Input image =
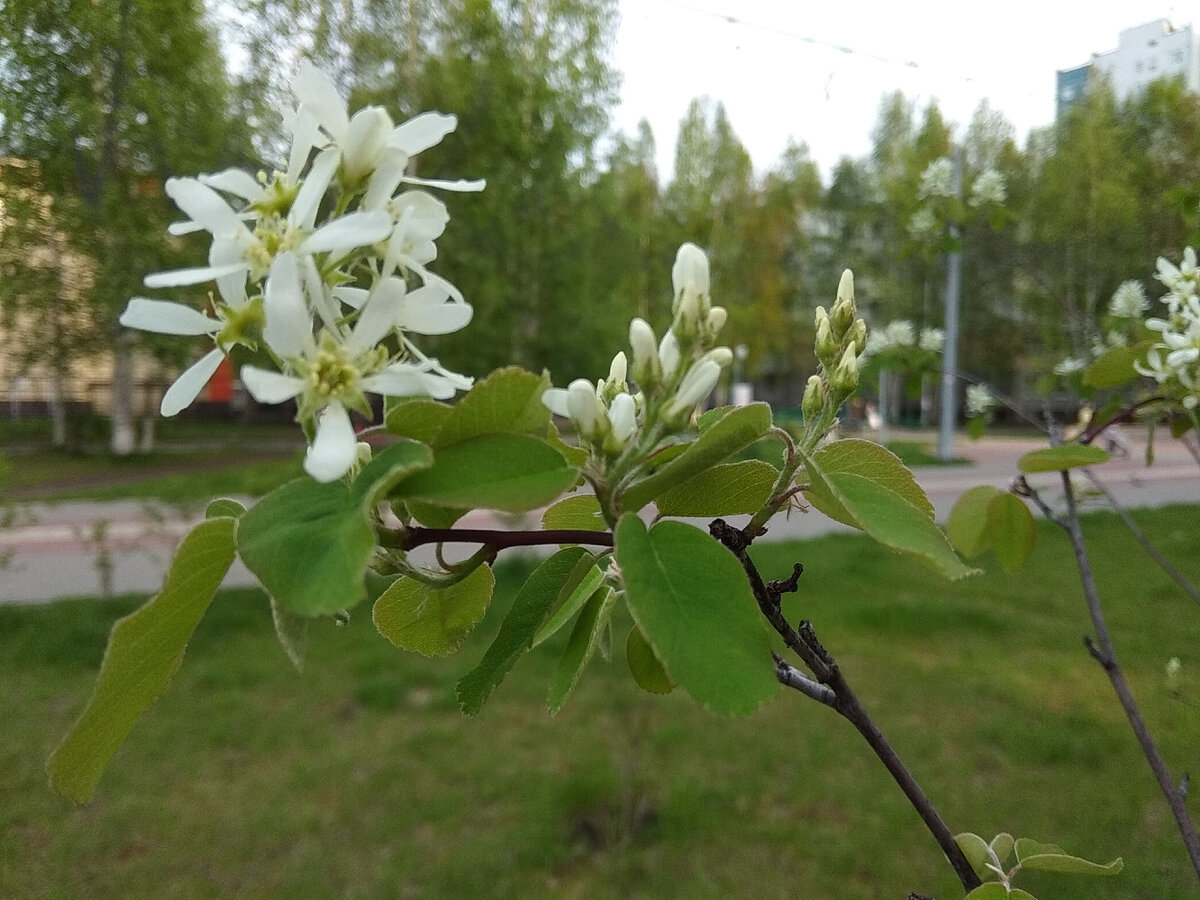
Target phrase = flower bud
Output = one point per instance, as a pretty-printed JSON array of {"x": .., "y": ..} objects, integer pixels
[
  {"x": 722, "y": 356},
  {"x": 845, "y": 376},
  {"x": 716, "y": 321},
  {"x": 364, "y": 142},
  {"x": 825, "y": 346},
  {"x": 668, "y": 354},
  {"x": 689, "y": 277},
  {"x": 814, "y": 398},
  {"x": 857, "y": 337},
  {"x": 617, "y": 370},
  {"x": 697, "y": 384},
  {"x": 843, "y": 310},
  {"x": 588, "y": 415},
  {"x": 646, "y": 368},
  {"x": 622, "y": 418}
]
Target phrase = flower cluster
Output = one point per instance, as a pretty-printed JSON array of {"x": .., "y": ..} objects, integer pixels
[
  {"x": 671, "y": 375},
  {"x": 1174, "y": 360},
  {"x": 327, "y": 292},
  {"x": 841, "y": 339},
  {"x": 901, "y": 335}
]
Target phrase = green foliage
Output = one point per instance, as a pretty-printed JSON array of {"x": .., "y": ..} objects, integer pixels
[
  {"x": 433, "y": 621},
  {"x": 989, "y": 861},
  {"x": 728, "y": 489},
  {"x": 985, "y": 517},
  {"x": 577, "y": 513},
  {"x": 590, "y": 628},
  {"x": 516, "y": 633},
  {"x": 144, "y": 651},
  {"x": 645, "y": 667},
  {"x": 715, "y": 648},
  {"x": 1061, "y": 458}
]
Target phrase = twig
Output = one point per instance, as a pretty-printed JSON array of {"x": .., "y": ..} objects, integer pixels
[
  {"x": 803, "y": 641},
  {"x": 408, "y": 538},
  {"x": 1102, "y": 650}
]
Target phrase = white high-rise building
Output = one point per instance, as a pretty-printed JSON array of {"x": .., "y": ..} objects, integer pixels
[{"x": 1145, "y": 53}]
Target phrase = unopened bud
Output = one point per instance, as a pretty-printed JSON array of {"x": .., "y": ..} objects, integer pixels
[
  {"x": 857, "y": 337},
  {"x": 716, "y": 320},
  {"x": 722, "y": 356},
  {"x": 814, "y": 398},
  {"x": 646, "y": 368},
  {"x": 843, "y": 310},
  {"x": 622, "y": 419},
  {"x": 689, "y": 276},
  {"x": 697, "y": 384},
  {"x": 586, "y": 412},
  {"x": 617, "y": 370},
  {"x": 824, "y": 345},
  {"x": 668, "y": 354},
  {"x": 845, "y": 376}
]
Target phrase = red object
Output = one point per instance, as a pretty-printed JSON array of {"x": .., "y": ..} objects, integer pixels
[{"x": 220, "y": 386}]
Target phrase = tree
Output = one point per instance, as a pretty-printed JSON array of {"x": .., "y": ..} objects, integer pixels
[{"x": 109, "y": 99}]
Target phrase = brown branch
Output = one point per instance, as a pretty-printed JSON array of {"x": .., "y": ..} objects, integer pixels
[
  {"x": 1104, "y": 653},
  {"x": 1125, "y": 414},
  {"x": 409, "y": 538},
  {"x": 803, "y": 641}
]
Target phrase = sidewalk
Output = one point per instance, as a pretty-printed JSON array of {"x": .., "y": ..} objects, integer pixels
[{"x": 77, "y": 548}]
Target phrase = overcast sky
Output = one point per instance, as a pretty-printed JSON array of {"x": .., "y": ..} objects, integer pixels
[{"x": 815, "y": 72}]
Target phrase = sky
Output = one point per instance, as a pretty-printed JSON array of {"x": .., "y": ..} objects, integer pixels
[{"x": 815, "y": 72}]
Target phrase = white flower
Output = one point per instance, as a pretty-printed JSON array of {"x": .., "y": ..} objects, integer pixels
[
  {"x": 1129, "y": 300},
  {"x": 697, "y": 384},
  {"x": 938, "y": 179},
  {"x": 900, "y": 333},
  {"x": 164, "y": 317},
  {"x": 932, "y": 339},
  {"x": 1070, "y": 366},
  {"x": 689, "y": 278},
  {"x": 979, "y": 400},
  {"x": 989, "y": 188},
  {"x": 924, "y": 225}
]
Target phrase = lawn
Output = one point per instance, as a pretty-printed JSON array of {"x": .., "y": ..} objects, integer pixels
[{"x": 359, "y": 778}]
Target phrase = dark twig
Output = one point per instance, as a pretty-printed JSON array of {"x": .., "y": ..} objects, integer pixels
[
  {"x": 1124, "y": 414},
  {"x": 804, "y": 643},
  {"x": 408, "y": 538},
  {"x": 1103, "y": 651}
]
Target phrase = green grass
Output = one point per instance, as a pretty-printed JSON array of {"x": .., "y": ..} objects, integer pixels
[
  {"x": 358, "y": 778},
  {"x": 918, "y": 453}
]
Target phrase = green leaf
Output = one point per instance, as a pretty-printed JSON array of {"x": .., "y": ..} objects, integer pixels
[
  {"x": 1012, "y": 531},
  {"x": 1002, "y": 845},
  {"x": 432, "y": 516},
  {"x": 875, "y": 463},
  {"x": 513, "y": 472},
  {"x": 994, "y": 890},
  {"x": 967, "y": 526},
  {"x": 291, "y": 630},
  {"x": 516, "y": 633},
  {"x": 975, "y": 849},
  {"x": 1030, "y": 847},
  {"x": 736, "y": 429},
  {"x": 1070, "y": 865},
  {"x": 144, "y": 651},
  {"x": 577, "y": 513},
  {"x": 690, "y": 598},
  {"x": 729, "y": 489},
  {"x": 309, "y": 543},
  {"x": 1057, "y": 459},
  {"x": 433, "y": 621},
  {"x": 224, "y": 508},
  {"x": 509, "y": 401},
  {"x": 647, "y": 671},
  {"x": 589, "y": 628},
  {"x": 579, "y": 586},
  {"x": 976, "y": 426},
  {"x": 886, "y": 516},
  {"x": 419, "y": 419},
  {"x": 1114, "y": 367}
]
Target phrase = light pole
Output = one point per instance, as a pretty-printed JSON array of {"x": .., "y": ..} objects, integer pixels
[{"x": 949, "y": 413}]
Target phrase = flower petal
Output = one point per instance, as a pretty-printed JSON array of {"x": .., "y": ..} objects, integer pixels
[
  {"x": 304, "y": 208},
  {"x": 435, "y": 318},
  {"x": 238, "y": 182},
  {"x": 288, "y": 328},
  {"x": 353, "y": 297},
  {"x": 165, "y": 317},
  {"x": 464, "y": 185},
  {"x": 555, "y": 399},
  {"x": 203, "y": 204},
  {"x": 188, "y": 385},
  {"x": 379, "y": 314},
  {"x": 198, "y": 275},
  {"x": 384, "y": 180},
  {"x": 422, "y": 132},
  {"x": 355, "y": 230},
  {"x": 407, "y": 380},
  {"x": 318, "y": 95},
  {"x": 335, "y": 448},
  {"x": 266, "y": 386}
]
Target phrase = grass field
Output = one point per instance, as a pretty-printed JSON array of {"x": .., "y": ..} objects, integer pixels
[{"x": 358, "y": 778}]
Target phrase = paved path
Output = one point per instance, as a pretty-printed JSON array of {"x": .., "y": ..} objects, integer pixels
[{"x": 82, "y": 548}]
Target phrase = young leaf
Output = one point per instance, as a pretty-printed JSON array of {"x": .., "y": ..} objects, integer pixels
[
  {"x": 975, "y": 849},
  {"x": 884, "y": 515},
  {"x": 690, "y": 598},
  {"x": 224, "y": 507},
  {"x": 729, "y": 489},
  {"x": 1002, "y": 845},
  {"x": 433, "y": 621},
  {"x": 1114, "y": 367},
  {"x": 418, "y": 419},
  {"x": 516, "y": 633},
  {"x": 976, "y": 427},
  {"x": 579, "y": 585},
  {"x": 576, "y": 513},
  {"x": 591, "y": 624},
  {"x": 647, "y": 671},
  {"x": 736, "y": 429},
  {"x": 1033, "y": 854},
  {"x": 291, "y": 630},
  {"x": 994, "y": 890},
  {"x": 967, "y": 526},
  {"x": 1065, "y": 456},
  {"x": 509, "y": 401},
  {"x": 513, "y": 472},
  {"x": 1012, "y": 530},
  {"x": 144, "y": 651},
  {"x": 876, "y": 463},
  {"x": 309, "y": 543}
]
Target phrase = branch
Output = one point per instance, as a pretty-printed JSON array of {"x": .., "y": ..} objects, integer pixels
[
  {"x": 409, "y": 538},
  {"x": 803, "y": 641},
  {"x": 1104, "y": 653},
  {"x": 1125, "y": 414}
]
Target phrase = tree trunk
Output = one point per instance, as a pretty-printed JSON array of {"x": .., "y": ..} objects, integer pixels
[
  {"x": 124, "y": 435},
  {"x": 58, "y": 412}
]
